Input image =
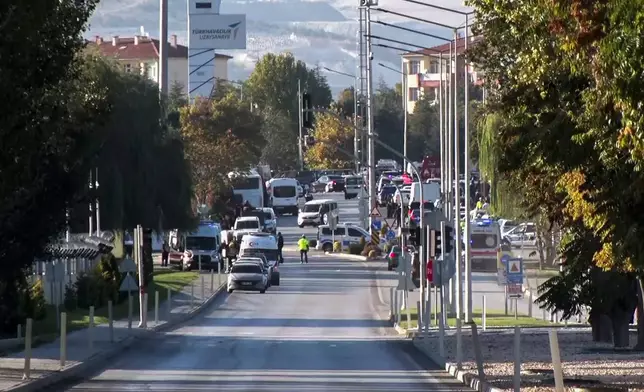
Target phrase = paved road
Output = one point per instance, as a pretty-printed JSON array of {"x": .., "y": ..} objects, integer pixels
[
  {"x": 321, "y": 330},
  {"x": 287, "y": 224}
]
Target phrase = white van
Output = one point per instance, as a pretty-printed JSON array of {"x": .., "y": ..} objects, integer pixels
[
  {"x": 352, "y": 186},
  {"x": 284, "y": 195},
  {"x": 345, "y": 233},
  {"x": 431, "y": 192},
  {"x": 203, "y": 244},
  {"x": 246, "y": 225},
  {"x": 318, "y": 212},
  {"x": 266, "y": 244}
]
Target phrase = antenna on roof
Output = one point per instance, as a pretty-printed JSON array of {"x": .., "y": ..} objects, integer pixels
[{"x": 142, "y": 31}]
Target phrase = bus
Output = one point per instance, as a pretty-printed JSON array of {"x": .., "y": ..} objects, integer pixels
[{"x": 249, "y": 186}]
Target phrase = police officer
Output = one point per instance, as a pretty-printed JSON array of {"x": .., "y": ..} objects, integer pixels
[
  {"x": 280, "y": 245},
  {"x": 303, "y": 244}
]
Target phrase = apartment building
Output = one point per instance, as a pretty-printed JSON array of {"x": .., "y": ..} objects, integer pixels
[
  {"x": 422, "y": 70},
  {"x": 141, "y": 54}
]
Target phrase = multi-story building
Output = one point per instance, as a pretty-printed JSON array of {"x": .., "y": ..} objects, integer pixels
[
  {"x": 422, "y": 71},
  {"x": 141, "y": 54}
]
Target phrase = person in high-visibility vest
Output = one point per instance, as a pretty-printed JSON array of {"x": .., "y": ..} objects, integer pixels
[
  {"x": 479, "y": 204},
  {"x": 303, "y": 244}
]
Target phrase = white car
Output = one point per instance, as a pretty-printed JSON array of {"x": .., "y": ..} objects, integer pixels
[
  {"x": 246, "y": 225},
  {"x": 524, "y": 234}
]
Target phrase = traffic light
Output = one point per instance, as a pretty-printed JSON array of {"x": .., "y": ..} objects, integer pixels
[
  {"x": 414, "y": 236},
  {"x": 449, "y": 238},
  {"x": 307, "y": 115},
  {"x": 437, "y": 242}
]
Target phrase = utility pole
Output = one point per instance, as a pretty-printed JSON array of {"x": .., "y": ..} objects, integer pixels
[
  {"x": 441, "y": 133},
  {"x": 370, "y": 124},
  {"x": 98, "y": 210},
  {"x": 91, "y": 205},
  {"x": 403, "y": 94},
  {"x": 163, "y": 48},
  {"x": 457, "y": 189},
  {"x": 468, "y": 259},
  {"x": 449, "y": 93},
  {"x": 300, "y": 140}
]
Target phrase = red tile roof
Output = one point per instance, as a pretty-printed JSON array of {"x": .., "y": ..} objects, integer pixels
[
  {"x": 444, "y": 48},
  {"x": 140, "y": 48}
]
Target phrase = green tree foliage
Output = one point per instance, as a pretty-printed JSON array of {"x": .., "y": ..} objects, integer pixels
[
  {"x": 570, "y": 139},
  {"x": 331, "y": 131},
  {"x": 346, "y": 102},
  {"x": 220, "y": 136},
  {"x": 423, "y": 130},
  {"x": 274, "y": 82},
  {"x": 46, "y": 125},
  {"x": 280, "y": 149},
  {"x": 176, "y": 99},
  {"x": 388, "y": 120}
]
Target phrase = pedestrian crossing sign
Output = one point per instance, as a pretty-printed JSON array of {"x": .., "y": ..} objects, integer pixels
[{"x": 514, "y": 266}]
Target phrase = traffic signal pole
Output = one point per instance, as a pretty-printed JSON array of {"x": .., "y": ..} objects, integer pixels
[{"x": 300, "y": 139}]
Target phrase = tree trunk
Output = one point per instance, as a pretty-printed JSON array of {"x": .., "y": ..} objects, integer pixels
[
  {"x": 601, "y": 327},
  {"x": 640, "y": 315},
  {"x": 621, "y": 324},
  {"x": 540, "y": 246}
]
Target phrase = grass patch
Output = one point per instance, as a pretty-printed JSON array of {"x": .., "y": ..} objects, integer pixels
[
  {"x": 46, "y": 330},
  {"x": 493, "y": 319}
]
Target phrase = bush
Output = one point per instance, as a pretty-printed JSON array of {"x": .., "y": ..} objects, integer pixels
[
  {"x": 355, "y": 249},
  {"x": 337, "y": 247},
  {"x": 37, "y": 300},
  {"x": 93, "y": 290},
  {"x": 108, "y": 269}
]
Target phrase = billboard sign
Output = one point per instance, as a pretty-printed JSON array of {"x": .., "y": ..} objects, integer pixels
[{"x": 211, "y": 31}]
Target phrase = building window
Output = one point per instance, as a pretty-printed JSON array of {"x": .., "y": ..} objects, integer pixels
[
  {"x": 413, "y": 94},
  {"x": 127, "y": 68},
  {"x": 414, "y": 67},
  {"x": 433, "y": 67}
]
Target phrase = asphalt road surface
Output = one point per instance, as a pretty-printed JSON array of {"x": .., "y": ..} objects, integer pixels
[{"x": 322, "y": 330}]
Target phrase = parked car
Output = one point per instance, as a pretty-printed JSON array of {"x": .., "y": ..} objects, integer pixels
[{"x": 336, "y": 184}]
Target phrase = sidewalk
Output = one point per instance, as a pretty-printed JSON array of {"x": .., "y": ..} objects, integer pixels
[{"x": 45, "y": 359}]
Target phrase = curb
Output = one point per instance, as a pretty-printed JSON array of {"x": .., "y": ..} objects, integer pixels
[
  {"x": 467, "y": 379},
  {"x": 100, "y": 359}
]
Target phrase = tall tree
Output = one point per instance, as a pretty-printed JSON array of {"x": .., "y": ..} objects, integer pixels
[
  {"x": 220, "y": 136},
  {"x": 388, "y": 121},
  {"x": 333, "y": 147},
  {"x": 273, "y": 83},
  {"x": 45, "y": 132},
  {"x": 280, "y": 150},
  {"x": 346, "y": 102},
  {"x": 423, "y": 133}
]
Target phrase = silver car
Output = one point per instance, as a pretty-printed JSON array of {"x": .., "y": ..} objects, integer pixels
[{"x": 250, "y": 276}]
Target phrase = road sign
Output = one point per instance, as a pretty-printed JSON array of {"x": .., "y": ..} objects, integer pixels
[
  {"x": 502, "y": 266},
  {"x": 514, "y": 271},
  {"x": 127, "y": 265},
  {"x": 375, "y": 212},
  {"x": 376, "y": 224},
  {"x": 515, "y": 290},
  {"x": 390, "y": 222},
  {"x": 391, "y": 235},
  {"x": 128, "y": 284}
]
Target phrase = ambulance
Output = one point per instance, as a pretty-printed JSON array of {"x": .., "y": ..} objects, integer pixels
[
  {"x": 254, "y": 244},
  {"x": 485, "y": 245}
]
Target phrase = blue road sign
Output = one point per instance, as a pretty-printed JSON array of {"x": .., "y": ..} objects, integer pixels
[
  {"x": 377, "y": 224},
  {"x": 391, "y": 235},
  {"x": 514, "y": 271}
]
